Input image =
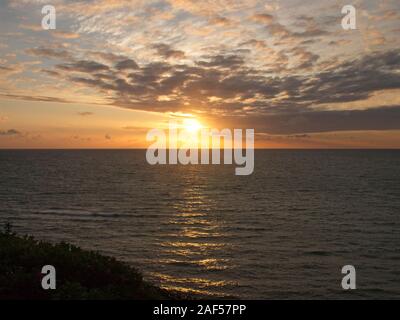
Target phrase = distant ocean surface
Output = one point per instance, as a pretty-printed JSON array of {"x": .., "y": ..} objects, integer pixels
[{"x": 284, "y": 232}]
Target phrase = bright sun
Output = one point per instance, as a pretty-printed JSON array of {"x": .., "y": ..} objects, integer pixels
[{"x": 192, "y": 125}]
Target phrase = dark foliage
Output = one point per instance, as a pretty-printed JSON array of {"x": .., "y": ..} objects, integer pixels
[{"x": 80, "y": 274}]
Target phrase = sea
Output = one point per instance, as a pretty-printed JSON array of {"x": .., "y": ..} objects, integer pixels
[{"x": 284, "y": 232}]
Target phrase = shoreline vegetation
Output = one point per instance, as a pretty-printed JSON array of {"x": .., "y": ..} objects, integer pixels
[{"x": 80, "y": 274}]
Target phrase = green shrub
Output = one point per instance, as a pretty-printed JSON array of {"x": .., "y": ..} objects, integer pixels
[{"x": 80, "y": 274}]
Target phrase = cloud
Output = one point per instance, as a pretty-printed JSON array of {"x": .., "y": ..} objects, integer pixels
[
  {"x": 49, "y": 53},
  {"x": 55, "y": 33},
  {"x": 305, "y": 59},
  {"x": 10, "y": 132},
  {"x": 264, "y": 18},
  {"x": 167, "y": 52},
  {"x": 259, "y": 44},
  {"x": 83, "y": 66},
  {"x": 51, "y": 73},
  {"x": 85, "y": 113},
  {"x": 11, "y": 69},
  {"x": 98, "y": 7},
  {"x": 107, "y": 56},
  {"x": 80, "y": 138},
  {"x": 34, "y": 98},
  {"x": 65, "y": 34},
  {"x": 127, "y": 64},
  {"x": 5, "y": 69},
  {"x": 205, "y": 7},
  {"x": 224, "y": 83},
  {"x": 220, "y": 21},
  {"x": 31, "y": 27},
  {"x": 283, "y": 33},
  {"x": 299, "y": 136},
  {"x": 3, "y": 118},
  {"x": 223, "y": 61},
  {"x": 96, "y": 83},
  {"x": 262, "y": 62},
  {"x": 374, "y": 37},
  {"x": 295, "y": 123},
  {"x": 357, "y": 79},
  {"x": 130, "y": 128}
]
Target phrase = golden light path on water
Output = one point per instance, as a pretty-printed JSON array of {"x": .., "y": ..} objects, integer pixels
[{"x": 196, "y": 241}]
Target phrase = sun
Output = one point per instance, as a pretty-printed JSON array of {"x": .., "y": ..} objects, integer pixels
[{"x": 192, "y": 125}]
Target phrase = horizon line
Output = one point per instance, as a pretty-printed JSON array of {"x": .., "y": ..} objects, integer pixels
[{"x": 100, "y": 149}]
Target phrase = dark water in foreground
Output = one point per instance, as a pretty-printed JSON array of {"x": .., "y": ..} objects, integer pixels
[{"x": 283, "y": 232}]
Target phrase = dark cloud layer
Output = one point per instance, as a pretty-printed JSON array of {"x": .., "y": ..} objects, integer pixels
[
  {"x": 226, "y": 76},
  {"x": 384, "y": 118},
  {"x": 224, "y": 84}
]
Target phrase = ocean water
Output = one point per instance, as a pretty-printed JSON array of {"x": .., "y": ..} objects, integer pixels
[{"x": 284, "y": 232}]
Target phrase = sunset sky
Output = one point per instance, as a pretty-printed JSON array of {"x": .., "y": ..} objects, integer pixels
[{"x": 113, "y": 69}]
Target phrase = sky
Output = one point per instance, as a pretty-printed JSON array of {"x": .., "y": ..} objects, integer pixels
[{"x": 114, "y": 69}]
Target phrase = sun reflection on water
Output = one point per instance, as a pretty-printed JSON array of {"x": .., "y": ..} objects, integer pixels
[
  {"x": 195, "y": 241},
  {"x": 197, "y": 286}
]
